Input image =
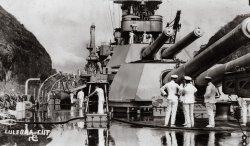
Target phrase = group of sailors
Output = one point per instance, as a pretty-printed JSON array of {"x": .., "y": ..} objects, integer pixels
[
  {"x": 186, "y": 93},
  {"x": 146, "y": 38},
  {"x": 82, "y": 99}
]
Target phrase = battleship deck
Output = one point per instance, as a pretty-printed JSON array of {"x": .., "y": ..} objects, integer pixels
[
  {"x": 59, "y": 116},
  {"x": 200, "y": 124}
]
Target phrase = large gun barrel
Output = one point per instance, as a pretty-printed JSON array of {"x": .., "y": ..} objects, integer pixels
[
  {"x": 150, "y": 51},
  {"x": 217, "y": 72},
  {"x": 170, "y": 52},
  {"x": 223, "y": 47}
]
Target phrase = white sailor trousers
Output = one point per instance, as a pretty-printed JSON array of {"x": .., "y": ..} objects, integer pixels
[
  {"x": 71, "y": 98},
  {"x": 210, "y": 112},
  {"x": 100, "y": 107},
  {"x": 245, "y": 111},
  {"x": 171, "y": 110},
  {"x": 189, "y": 114},
  {"x": 80, "y": 103}
]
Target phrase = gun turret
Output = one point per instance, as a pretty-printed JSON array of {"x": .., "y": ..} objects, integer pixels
[
  {"x": 223, "y": 47},
  {"x": 170, "y": 52},
  {"x": 149, "y": 52}
]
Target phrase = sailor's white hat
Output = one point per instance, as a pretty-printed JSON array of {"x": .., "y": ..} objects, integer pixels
[
  {"x": 174, "y": 76},
  {"x": 187, "y": 78}
]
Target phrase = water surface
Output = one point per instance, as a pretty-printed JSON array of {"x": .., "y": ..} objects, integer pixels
[{"x": 118, "y": 134}]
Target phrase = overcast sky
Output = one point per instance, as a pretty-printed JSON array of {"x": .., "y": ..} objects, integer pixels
[{"x": 62, "y": 26}]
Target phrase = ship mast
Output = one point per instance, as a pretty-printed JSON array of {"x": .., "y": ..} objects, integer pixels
[{"x": 92, "y": 64}]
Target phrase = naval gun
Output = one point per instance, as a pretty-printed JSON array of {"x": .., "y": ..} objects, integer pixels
[
  {"x": 169, "y": 53},
  {"x": 239, "y": 36},
  {"x": 233, "y": 76},
  {"x": 217, "y": 72},
  {"x": 221, "y": 77},
  {"x": 148, "y": 53}
]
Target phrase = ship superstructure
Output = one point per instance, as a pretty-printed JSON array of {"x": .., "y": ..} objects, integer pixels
[{"x": 145, "y": 53}]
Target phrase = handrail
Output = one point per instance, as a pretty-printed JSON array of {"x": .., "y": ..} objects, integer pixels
[
  {"x": 40, "y": 88},
  {"x": 27, "y": 83}
]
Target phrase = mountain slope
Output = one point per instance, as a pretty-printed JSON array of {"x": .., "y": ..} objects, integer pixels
[{"x": 21, "y": 54}]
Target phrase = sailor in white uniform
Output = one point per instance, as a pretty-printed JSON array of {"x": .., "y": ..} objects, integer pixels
[
  {"x": 209, "y": 99},
  {"x": 72, "y": 97},
  {"x": 188, "y": 101},
  {"x": 80, "y": 97},
  {"x": 101, "y": 98},
  {"x": 144, "y": 37},
  {"x": 131, "y": 37},
  {"x": 172, "y": 99},
  {"x": 245, "y": 109}
]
